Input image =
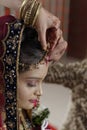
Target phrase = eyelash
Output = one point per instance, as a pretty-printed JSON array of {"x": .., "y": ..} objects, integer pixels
[{"x": 31, "y": 85}]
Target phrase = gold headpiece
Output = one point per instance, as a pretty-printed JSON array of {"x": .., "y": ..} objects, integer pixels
[
  {"x": 45, "y": 59},
  {"x": 25, "y": 66}
]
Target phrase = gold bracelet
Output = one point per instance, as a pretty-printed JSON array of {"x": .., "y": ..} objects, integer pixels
[
  {"x": 33, "y": 12},
  {"x": 36, "y": 15},
  {"x": 28, "y": 14},
  {"x": 26, "y": 5},
  {"x": 21, "y": 8},
  {"x": 27, "y": 17},
  {"x": 29, "y": 11}
]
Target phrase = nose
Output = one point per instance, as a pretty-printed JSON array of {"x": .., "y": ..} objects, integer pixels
[{"x": 39, "y": 90}]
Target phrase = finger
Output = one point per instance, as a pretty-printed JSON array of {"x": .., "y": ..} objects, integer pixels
[
  {"x": 59, "y": 51},
  {"x": 53, "y": 36},
  {"x": 64, "y": 49},
  {"x": 61, "y": 46},
  {"x": 42, "y": 38},
  {"x": 57, "y": 39},
  {"x": 55, "y": 22}
]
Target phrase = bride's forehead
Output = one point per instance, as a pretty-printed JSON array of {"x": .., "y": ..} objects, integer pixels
[{"x": 39, "y": 72}]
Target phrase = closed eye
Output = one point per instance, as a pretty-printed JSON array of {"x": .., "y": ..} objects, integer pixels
[{"x": 31, "y": 85}]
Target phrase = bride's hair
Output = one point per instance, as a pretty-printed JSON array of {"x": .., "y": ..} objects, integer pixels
[{"x": 31, "y": 51}]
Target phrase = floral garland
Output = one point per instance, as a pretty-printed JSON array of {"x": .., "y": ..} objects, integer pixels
[{"x": 39, "y": 114}]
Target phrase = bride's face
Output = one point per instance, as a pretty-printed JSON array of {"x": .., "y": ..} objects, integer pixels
[{"x": 30, "y": 86}]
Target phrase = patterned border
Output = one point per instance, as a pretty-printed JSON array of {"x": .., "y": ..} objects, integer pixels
[{"x": 10, "y": 61}]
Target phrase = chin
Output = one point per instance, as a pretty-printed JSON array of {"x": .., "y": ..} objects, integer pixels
[{"x": 28, "y": 107}]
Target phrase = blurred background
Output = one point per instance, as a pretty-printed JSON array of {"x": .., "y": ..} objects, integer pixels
[{"x": 73, "y": 16}]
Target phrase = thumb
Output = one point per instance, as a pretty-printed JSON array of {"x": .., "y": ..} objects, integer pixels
[
  {"x": 42, "y": 38},
  {"x": 55, "y": 22}
]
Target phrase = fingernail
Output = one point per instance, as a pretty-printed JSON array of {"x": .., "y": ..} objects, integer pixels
[{"x": 44, "y": 48}]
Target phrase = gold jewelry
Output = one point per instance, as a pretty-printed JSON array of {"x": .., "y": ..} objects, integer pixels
[
  {"x": 30, "y": 17},
  {"x": 21, "y": 8},
  {"x": 23, "y": 121},
  {"x": 36, "y": 15},
  {"x": 24, "y": 67},
  {"x": 32, "y": 13},
  {"x": 26, "y": 6},
  {"x": 29, "y": 11},
  {"x": 28, "y": 14}
]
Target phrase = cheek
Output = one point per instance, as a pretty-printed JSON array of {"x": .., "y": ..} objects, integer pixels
[
  {"x": 23, "y": 92},
  {"x": 45, "y": 71}
]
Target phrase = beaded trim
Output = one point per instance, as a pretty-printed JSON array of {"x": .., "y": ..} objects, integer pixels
[{"x": 11, "y": 44}]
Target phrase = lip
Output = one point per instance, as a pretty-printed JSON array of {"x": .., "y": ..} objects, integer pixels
[{"x": 34, "y": 101}]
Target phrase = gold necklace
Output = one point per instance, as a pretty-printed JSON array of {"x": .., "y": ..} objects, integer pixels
[{"x": 24, "y": 125}]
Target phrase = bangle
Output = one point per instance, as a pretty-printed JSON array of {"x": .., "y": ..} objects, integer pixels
[
  {"x": 33, "y": 12},
  {"x": 21, "y": 8},
  {"x": 30, "y": 19},
  {"x": 28, "y": 13},
  {"x": 36, "y": 15},
  {"x": 26, "y": 5}
]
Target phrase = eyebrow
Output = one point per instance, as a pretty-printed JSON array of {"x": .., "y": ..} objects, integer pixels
[{"x": 34, "y": 78}]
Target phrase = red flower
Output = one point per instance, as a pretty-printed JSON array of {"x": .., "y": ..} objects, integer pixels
[{"x": 50, "y": 127}]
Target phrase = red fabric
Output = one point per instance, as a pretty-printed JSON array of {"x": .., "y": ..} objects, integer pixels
[
  {"x": 1, "y": 122},
  {"x": 3, "y": 26},
  {"x": 3, "y": 32},
  {"x": 50, "y": 127}
]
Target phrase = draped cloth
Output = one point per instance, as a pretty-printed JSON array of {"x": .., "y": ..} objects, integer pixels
[{"x": 10, "y": 30}]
